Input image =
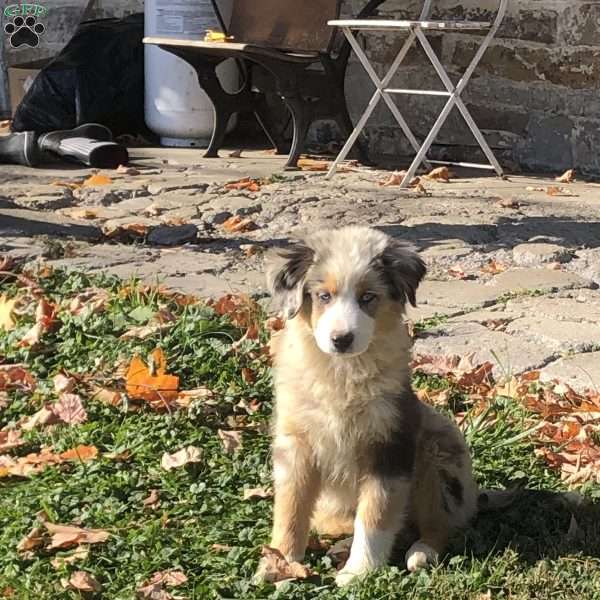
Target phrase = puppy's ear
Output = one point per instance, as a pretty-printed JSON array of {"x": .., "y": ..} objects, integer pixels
[
  {"x": 402, "y": 269},
  {"x": 286, "y": 277}
]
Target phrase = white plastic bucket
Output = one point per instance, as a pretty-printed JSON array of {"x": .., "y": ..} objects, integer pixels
[{"x": 176, "y": 107}]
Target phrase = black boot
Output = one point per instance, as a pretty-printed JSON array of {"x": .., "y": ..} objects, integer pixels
[
  {"x": 20, "y": 149},
  {"x": 89, "y": 144}
]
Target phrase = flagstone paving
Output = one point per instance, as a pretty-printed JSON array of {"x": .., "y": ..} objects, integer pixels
[{"x": 513, "y": 272}]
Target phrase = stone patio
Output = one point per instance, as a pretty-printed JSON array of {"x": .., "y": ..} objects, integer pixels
[{"x": 513, "y": 269}]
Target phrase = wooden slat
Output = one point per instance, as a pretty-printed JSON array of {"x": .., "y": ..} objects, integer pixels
[{"x": 300, "y": 25}]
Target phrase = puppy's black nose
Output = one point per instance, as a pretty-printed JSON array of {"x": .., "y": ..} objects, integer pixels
[{"x": 342, "y": 341}]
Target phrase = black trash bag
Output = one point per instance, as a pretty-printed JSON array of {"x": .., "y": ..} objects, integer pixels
[{"x": 97, "y": 78}]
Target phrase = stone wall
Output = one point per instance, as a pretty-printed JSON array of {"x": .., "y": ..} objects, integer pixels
[{"x": 535, "y": 93}]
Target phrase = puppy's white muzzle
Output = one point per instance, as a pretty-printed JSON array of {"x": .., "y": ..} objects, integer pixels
[{"x": 344, "y": 329}]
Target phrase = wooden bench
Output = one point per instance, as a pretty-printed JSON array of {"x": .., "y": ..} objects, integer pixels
[{"x": 292, "y": 44}]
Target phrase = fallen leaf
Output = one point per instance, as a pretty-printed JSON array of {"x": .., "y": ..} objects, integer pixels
[
  {"x": 457, "y": 271},
  {"x": 80, "y": 213},
  {"x": 92, "y": 301},
  {"x": 62, "y": 383},
  {"x": 340, "y": 552},
  {"x": 439, "y": 174},
  {"x": 241, "y": 309},
  {"x": 249, "y": 250},
  {"x": 251, "y": 185},
  {"x": 232, "y": 440},
  {"x": 144, "y": 331},
  {"x": 125, "y": 170},
  {"x": 16, "y": 377},
  {"x": 82, "y": 581},
  {"x": 97, "y": 179},
  {"x": 237, "y": 224},
  {"x": 494, "y": 267},
  {"x": 153, "y": 500},
  {"x": 169, "y": 578},
  {"x": 397, "y": 177},
  {"x": 69, "y": 409},
  {"x": 106, "y": 396},
  {"x": 150, "y": 382},
  {"x": 274, "y": 324},
  {"x": 182, "y": 457},
  {"x": 274, "y": 567},
  {"x": 553, "y": 190},
  {"x": 7, "y": 305},
  {"x": 186, "y": 397},
  {"x": 257, "y": 493},
  {"x": 79, "y": 554},
  {"x": 248, "y": 376},
  {"x": 509, "y": 203},
  {"x": 68, "y": 536},
  {"x": 44, "y": 416},
  {"x": 567, "y": 177},
  {"x": 235, "y": 154},
  {"x": 10, "y": 439},
  {"x": 127, "y": 231},
  {"x": 34, "y": 539},
  {"x": 221, "y": 548},
  {"x": 45, "y": 314}
]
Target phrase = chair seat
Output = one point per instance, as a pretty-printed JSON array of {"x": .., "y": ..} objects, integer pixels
[
  {"x": 393, "y": 24},
  {"x": 234, "y": 48}
]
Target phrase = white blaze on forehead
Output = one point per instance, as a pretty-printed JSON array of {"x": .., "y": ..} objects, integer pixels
[{"x": 344, "y": 316}]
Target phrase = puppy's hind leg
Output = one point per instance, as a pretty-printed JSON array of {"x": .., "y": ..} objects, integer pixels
[{"x": 432, "y": 521}]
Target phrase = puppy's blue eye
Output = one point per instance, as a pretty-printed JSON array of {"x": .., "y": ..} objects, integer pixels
[
  {"x": 367, "y": 297},
  {"x": 324, "y": 297}
]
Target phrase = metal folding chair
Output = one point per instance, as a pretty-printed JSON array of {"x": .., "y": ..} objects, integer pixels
[{"x": 416, "y": 31}]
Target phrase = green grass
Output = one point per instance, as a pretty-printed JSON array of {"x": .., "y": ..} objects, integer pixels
[{"x": 520, "y": 552}]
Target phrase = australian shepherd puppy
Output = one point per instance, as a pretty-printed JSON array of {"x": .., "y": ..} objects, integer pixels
[{"x": 354, "y": 450}]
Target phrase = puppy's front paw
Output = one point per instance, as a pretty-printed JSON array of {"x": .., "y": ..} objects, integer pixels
[
  {"x": 346, "y": 577},
  {"x": 420, "y": 556}
]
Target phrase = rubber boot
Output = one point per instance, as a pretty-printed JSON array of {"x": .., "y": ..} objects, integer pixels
[
  {"x": 20, "y": 148},
  {"x": 88, "y": 144}
]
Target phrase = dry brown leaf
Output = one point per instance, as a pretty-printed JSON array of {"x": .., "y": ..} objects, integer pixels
[
  {"x": 97, "y": 179},
  {"x": 125, "y": 170},
  {"x": 106, "y": 396},
  {"x": 274, "y": 567},
  {"x": 439, "y": 174},
  {"x": 567, "y": 177},
  {"x": 231, "y": 440},
  {"x": 237, "y": 224},
  {"x": 7, "y": 306},
  {"x": 494, "y": 267},
  {"x": 126, "y": 230},
  {"x": 10, "y": 439},
  {"x": 80, "y": 453},
  {"x": 248, "y": 376},
  {"x": 151, "y": 382},
  {"x": 144, "y": 331},
  {"x": 186, "y": 397},
  {"x": 553, "y": 190},
  {"x": 82, "y": 581},
  {"x": 275, "y": 324},
  {"x": 44, "y": 416},
  {"x": 509, "y": 203},
  {"x": 92, "y": 301},
  {"x": 45, "y": 315},
  {"x": 153, "y": 589},
  {"x": 397, "y": 177},
  {"x": 457, "y": 271},
  {"x": 153, "y": 500},
  {"x": 257, "y": 493},
  {"x": 67, "y": 536},
  {"x": 241, "y": 309},
  {"x": 69, "y": 409},
  {"x": 16, "y": 377},
  {"x": 182, "y": 457},
  {"x": 82, "y": 213},
  {"x": 247, "y": 183},
  {"x": 63, "y": 384},
  {"x": 79, "y": 554},
  {"x": 34, "y": 539}
]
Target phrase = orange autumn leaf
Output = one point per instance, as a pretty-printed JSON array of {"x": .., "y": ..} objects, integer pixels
[
  {"x": 151, "y": 383},
  {"x": 15, "y": 376},
  {"x": 97, "y": 180},
  {"x": 237, "y": 224}
]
